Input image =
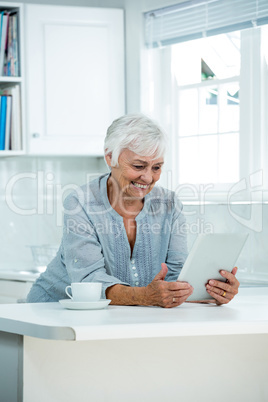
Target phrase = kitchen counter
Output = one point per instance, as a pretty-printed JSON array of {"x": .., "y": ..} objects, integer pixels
[
  {"x": 246, "y": 314},
  {"x": 23, "y": 276},
  {"x": 188, "y": 353}
]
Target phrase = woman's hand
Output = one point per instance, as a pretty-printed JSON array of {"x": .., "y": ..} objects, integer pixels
[
  {"x": 166, "y": 294},
  {"x": 224, "y": 292},
  {"x": 157, "y": 293}
]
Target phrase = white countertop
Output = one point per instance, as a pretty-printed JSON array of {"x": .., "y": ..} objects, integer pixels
[
  {"x": 23, "y": 276},
  {"x": 246, "y": 314}
]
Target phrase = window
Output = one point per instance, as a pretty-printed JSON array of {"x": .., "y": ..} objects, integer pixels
[
  {"x": 207, "y": 88},
  {"x": 210, "y": 92}
]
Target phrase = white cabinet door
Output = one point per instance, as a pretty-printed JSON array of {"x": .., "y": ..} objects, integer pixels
[
  {"x": 12, "y": 291},
  {"x": 75, "y": 77}
]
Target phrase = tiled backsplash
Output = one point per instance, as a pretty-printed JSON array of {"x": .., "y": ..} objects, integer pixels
[
  {"x": 32, "y": 190},
  {"x": 221, "y": 218},
  {"x": 31, "y": 193}
]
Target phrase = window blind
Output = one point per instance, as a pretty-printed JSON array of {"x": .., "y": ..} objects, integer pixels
[{"x": 199, "y": 18}]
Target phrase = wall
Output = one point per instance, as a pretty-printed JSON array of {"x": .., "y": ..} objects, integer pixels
[{"x": 134, "y": 47}]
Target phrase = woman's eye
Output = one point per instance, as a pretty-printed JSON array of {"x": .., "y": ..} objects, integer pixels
[
  {"x": 138, "y": 166},
  {"x": 156, "y": 168}
]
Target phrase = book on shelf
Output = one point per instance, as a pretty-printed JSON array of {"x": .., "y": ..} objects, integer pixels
[
  {"x": 16, "y": 132},
  {"x": 4, "y": 30},
  {"x": 3, "y": 122},
  {"x": 10, "y": 119},
  {"x": 8, "y": 124},
  {"x": 8, "y": 57},
  {"x": 9, "y": 60}
]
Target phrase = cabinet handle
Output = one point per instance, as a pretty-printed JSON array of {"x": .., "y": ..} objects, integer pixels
[{"x": 36, "y": 135}]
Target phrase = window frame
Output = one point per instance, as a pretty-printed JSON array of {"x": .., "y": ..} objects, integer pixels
[
  {"x": 218, "y": 187},
  {"x": 253, "y": 103}
]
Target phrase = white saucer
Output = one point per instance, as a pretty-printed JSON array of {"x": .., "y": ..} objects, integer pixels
[{"x": 73, "y": 305}]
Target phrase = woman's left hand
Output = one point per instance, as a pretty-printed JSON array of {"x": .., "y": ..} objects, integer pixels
[{"x": 224, "y": 292}]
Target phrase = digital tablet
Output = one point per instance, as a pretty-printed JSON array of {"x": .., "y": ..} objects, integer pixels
[{"x": 210, "y": 254}]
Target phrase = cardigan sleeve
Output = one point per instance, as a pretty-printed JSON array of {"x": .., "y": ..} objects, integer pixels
[
  {"x": 82, "y": 249},
  {"x": 177, "y": 249}
]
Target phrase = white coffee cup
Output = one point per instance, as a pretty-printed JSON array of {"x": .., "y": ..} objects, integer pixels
[{"x": 84, "y": 292}]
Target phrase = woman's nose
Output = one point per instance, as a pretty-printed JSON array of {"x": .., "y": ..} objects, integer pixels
[{"x": 147, "y": 176}]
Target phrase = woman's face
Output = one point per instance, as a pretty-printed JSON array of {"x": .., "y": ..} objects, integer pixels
[{"x": 136, "y": 175}]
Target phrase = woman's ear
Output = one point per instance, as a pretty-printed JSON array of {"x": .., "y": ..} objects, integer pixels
[{"x": 108, "y": 158}]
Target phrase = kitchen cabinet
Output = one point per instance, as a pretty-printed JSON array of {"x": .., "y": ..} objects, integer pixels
[
  {"x": 14, "y": 291},
  {"x": 75, "y": 77},
  {"x": 15, "y": 285},
  {"x": 12, "y": 81}
]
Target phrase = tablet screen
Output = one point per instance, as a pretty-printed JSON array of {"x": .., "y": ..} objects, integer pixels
[{"x": 210, "y": 254}]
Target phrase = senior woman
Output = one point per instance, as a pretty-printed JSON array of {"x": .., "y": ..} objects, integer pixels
[{"x": 123, "y": 231}]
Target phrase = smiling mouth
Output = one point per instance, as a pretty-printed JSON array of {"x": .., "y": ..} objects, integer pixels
[{"x": 142, "y": 186}]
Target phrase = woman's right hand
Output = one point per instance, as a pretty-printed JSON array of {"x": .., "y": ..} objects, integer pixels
[{"x": 166, "y": 294}]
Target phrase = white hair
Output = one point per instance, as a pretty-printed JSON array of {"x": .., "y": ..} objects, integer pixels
[{"x": 135, "y": 132}]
